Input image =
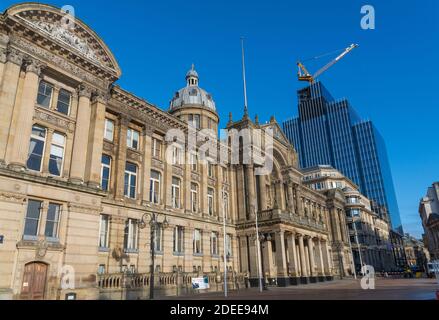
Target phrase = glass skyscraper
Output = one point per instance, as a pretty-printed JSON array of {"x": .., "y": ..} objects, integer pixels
[{"x": 329, "y": 132}]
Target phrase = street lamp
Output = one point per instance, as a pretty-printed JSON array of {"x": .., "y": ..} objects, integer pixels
[
  {"x": 152, "y": 220},
  {"x": 225, "y": 199}
]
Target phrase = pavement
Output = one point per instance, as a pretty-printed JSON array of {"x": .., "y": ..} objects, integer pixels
[{"x": 385, "y": 289}]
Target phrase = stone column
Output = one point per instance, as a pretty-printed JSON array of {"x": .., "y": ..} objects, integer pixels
[
  {"x": 25, "y": 114},
  {"x": 10, "y": 62},
  {"x": 251, "y": 196},
  {"x": 241, "y": 195},
  {"x": 322, "y": 264},
  {"x": 303, "y": 265},
  {"x": 328, "y": 259},
  {"x": 253, "y": 257},
  {"x": 268, "y": 257},
  {"x": 281, "y": 261},
  {"x": 299, "y": 202},
  {"x": 124, "y": 122},
  {"x": 290, "y": 198},
  {"x": 188, "y": 249},
  {"x": 311, "y": 256},
  {"x": 80, "y": 142},
  {"x": 147, "y": 158},
  {"x": 292, "y": 254},
  {"x": 96, "y": 139},
  {"x": 262, "y": 193}
]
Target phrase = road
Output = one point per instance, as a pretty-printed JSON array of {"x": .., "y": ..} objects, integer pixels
[{"x": 385, "y": 289}]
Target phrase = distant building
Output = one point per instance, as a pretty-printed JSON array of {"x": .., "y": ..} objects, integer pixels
[
  {"x": 416, "y": 253},
  {"x": 369, "y": 231},
  {"x": 429, "y": 212},
  {"x": 329, "y": 132}
]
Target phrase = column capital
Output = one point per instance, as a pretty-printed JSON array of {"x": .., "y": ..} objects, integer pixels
[
  {"x": 101, "y": 96},
  {"x": 14, "y": 56},
  {"x": 84, "y": 91},
  {"x": 124, "y": 120},
  {"x": 3, "y": 55},
  {"x": 34, "y": 66},
  {"x": 4, "y": 39}
]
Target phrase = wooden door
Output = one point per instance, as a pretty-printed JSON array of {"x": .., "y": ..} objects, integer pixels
[{"x": 34, "y": 281}]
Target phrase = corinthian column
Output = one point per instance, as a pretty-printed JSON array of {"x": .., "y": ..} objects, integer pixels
[
  {"x": 11, "y": 61},
  {"x": 25, "y": 114},
  {"x": 80, "y": 144},
  {"x": 303, "y": 265},
  {"x": 96, "y": 139},
  {"x": 311, "y": 256}
]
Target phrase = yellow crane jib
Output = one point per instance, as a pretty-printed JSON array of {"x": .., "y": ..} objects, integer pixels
[{"x": 304, "y": 75}]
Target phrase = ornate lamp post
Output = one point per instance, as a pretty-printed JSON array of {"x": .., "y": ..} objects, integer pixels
[{"x": 152, "y": 220}]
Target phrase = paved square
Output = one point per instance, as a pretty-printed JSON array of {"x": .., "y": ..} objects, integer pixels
[{"x": 386, "y": 289}]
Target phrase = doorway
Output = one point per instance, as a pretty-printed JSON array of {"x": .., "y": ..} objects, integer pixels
[{"x": 34, "y": 281}]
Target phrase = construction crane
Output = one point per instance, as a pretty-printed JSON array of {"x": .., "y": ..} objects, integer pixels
[{"x": 304, "y": 75}]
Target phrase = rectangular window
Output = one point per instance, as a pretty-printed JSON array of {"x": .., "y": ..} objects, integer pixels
[
  {"x": 130, "y": 180},
  {"x": 105, "y": 172},
  {"x": 194, "y": 121},
  {"x": 32, "y": 218},
  {"x": 44, "y": 97},
  {"x": 154, "y": 191},
  {"x": 109, "y": 130},
  {"x": 175, "y": 193},
  {"x": 229, "y": 251},
  {"x": 197, "y": 242},
  {"x": 158, "y": 238},
  {"x": 178, "y": 239},
  {"x": 131, "y": 235},
  {"x": 52, "y": 221},
  {"x": 194, "y": 162},
  {"x": 176, "y": 155},
  {"x": 225, "y": 175},
  {"x": 226, "y": 204},
  {"x": 156, "y": 148},
  {"x": 64, "y": 99},
  {"x": 57, "y": 154},
  {"x": 214, "y": 244},
  {"x": 194, "y": 197},
  {"x": 36, "y": 148},
  {"x": 104, "y": 226},
  {"x": 210, "y": 201},
  {"x": 101, "y": 269},
  {"x": 132, "y": 139},
  {"x": 211, "y": 170}
]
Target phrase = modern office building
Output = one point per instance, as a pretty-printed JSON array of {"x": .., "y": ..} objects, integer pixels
[{"x": 329, "y": 132}]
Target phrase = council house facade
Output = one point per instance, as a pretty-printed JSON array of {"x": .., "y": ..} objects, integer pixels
[{"x": 83, "y": 161}]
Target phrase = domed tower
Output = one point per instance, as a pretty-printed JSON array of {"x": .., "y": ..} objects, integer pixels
[{"x": 194, "y": 105}]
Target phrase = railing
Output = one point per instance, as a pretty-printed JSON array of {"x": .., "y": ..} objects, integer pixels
[
  {"x": 304, "y": 221},
  {"x": 168, "y": 283}
]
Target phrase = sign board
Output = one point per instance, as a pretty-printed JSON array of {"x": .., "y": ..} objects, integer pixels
[
  {"x": 71, "y": 296},
  {"x": 200, "y": 283}
]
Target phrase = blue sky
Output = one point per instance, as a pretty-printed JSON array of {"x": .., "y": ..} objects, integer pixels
[{"x": 390, "y": 79}]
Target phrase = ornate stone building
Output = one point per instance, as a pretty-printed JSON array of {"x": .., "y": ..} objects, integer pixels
[
  {"x": 429, "y": 213},
  {"x": 368, "y": 225},
  {"x": 82, "y": 161}
]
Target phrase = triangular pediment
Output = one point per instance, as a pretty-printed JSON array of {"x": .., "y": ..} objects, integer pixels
[
  {"x": 277, "y": 132},
  {"x": 72, "y": 34}
]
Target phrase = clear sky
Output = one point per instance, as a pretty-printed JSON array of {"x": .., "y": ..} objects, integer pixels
[{"x": 390, "y": 79}]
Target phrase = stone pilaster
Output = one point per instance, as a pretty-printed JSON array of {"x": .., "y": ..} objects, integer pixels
[
  {"x": 251, "y": 196},
  {"x": 121, "y": 157},
  {"x": 80, "y": 143},
  {"x": 11, "y": 61},
  {"x": 96, "y": 139},
  {"x": 25, "y": 114},
  {"x": 240, "y": 185},
  {"x": 291, "y": 204},
  {"x": 147, "y": 157},
  {"x": 262, "y": 193}
]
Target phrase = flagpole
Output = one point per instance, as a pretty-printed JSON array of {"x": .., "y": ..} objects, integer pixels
[{"x": 258, "y": 243}]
